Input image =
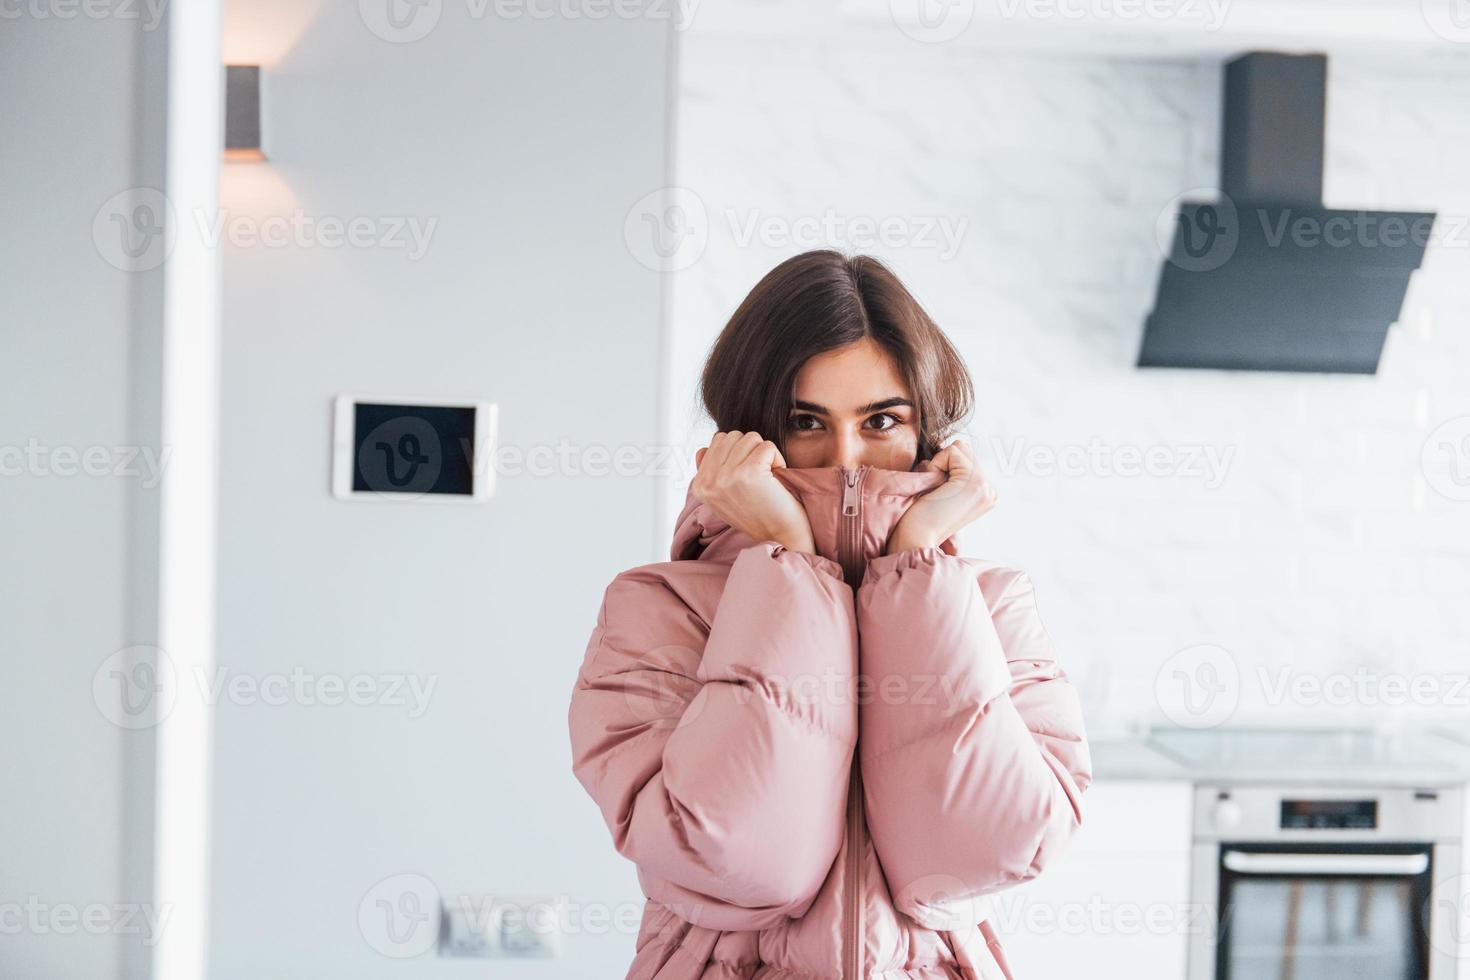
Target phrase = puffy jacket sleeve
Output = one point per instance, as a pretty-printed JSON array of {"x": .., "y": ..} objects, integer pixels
[
  {"x": 973, "y": 754},
  {"x": 719, "y": 753}
]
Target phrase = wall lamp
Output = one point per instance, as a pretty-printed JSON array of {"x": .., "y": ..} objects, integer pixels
[{"x": 242, "y": 114}]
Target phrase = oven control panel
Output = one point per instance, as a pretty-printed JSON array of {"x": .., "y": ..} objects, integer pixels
[
  {"x": 1253, "y": 812},
  {"x": 1319, "y": 814}
]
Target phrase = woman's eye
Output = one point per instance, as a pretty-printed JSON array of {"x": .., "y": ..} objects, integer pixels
[
  {"x": 805, "y": 422},
  {"x": 885, "y": 421}
]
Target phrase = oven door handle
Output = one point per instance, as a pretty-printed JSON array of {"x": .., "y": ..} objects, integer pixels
[{"x": 1261, "y": 863}]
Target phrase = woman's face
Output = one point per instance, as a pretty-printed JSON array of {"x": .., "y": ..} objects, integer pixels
[{"x": 850, "y": 407}]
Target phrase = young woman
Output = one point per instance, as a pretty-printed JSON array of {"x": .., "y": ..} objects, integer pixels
[{"x": 822, "y": 736}]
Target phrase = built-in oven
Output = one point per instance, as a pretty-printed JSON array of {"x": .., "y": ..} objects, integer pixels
[{"x": 1324, "y": 884}]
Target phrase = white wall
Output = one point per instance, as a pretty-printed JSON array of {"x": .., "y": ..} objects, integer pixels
[
  {"x": 526, "y": 141},
  {"x": 79, "y": 342},
  {"x": 1325, "y": 547}
]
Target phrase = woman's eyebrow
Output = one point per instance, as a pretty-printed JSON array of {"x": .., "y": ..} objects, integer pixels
[{"x": 864, "y": 410}]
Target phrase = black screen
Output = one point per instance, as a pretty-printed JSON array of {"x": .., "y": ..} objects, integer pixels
[
  {"x": 413, "y": 449},
  {"x": 1329, "y": 814}
]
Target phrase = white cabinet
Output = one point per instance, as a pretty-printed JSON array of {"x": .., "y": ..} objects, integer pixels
[{"x": 1115, "y": 906}]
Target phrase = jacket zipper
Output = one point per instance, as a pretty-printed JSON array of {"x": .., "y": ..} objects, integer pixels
[{"x": 850, "y": 557}]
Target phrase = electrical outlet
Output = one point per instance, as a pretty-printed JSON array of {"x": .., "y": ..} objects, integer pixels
[
  {"x": 530, "y": 927},
  {"x": 467, "y": 930},
  {"x": 523, "y": 928}
]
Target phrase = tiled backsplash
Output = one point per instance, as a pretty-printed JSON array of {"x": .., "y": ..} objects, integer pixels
[{"x": 1289, "y": 519}]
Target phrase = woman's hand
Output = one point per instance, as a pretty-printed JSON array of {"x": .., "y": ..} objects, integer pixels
[
  {"x": 941, "y": 512},
  {"x": 735, "y": 479}
]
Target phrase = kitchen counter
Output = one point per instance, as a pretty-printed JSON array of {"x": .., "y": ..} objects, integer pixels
[{"x": 1322, "y": 758}]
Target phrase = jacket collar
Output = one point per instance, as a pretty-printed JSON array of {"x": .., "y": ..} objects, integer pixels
[{"x": 885, "y": 496}]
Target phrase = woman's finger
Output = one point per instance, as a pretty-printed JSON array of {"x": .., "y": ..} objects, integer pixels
[
  {"x": 719, "y": 448},
  {"x": 741, "y": 448},
  {"x": 941, "y": 460},
  {"x": 962, "y": 463}
]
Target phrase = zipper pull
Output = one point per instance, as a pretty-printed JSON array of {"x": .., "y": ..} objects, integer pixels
[{"x": 849, "y": 493}]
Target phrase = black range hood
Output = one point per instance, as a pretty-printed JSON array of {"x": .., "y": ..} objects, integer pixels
[{"x": 1265, "y": 278}]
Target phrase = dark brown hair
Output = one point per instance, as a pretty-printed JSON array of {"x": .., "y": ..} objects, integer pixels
[{"x": 820, "y": 301}]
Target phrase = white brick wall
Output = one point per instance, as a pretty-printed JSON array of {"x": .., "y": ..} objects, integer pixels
[{"x": 1324, "y": 548}]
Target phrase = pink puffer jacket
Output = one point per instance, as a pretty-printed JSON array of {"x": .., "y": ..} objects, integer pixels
[{"x": 716, "y": 721}]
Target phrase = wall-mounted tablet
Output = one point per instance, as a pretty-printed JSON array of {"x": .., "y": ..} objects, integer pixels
[{"x": 413, "y": 449}]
